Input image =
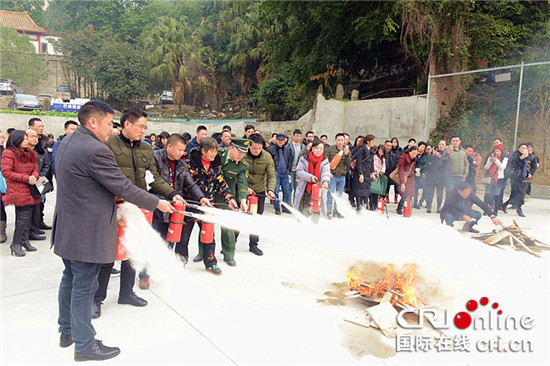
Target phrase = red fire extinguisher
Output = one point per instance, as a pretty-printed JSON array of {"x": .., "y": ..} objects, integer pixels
[
  {"x": 207, "y": 232},
  {"x": 380, "y": 206},
  {"x": 253, "y": 204},
  {"x": 407, "y": 208},
  {"x": 315, "y": 198},
  {"x": 176, "y": 224},
  {"x": 121, "y": 252}
]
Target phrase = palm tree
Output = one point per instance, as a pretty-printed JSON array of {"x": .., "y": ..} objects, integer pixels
[{"x": 174, "y": 52}]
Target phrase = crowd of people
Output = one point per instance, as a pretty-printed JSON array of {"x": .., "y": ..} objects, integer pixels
[{"x": 98, "y": 163}]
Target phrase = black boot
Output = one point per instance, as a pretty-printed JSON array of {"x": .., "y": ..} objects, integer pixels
[
  {"x": 400, "y": 208},
  {"x": 22, "y": 218},
  {"x": 25, "y": 241}
]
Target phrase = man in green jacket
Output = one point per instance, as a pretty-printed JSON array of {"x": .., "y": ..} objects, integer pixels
[
  {"x": 137, "y": 162},
  {"x": 235, "y": 174},
  {"x": 338, "y": 173},
  {"x": 261, "y": 179},
  {"x": 457, "y": 164}
]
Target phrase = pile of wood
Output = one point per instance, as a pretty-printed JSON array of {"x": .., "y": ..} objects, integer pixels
[{"x": 514, "y": 236}]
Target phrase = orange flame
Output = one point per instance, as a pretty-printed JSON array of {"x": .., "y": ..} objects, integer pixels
[{"x": 402, "y": 283}]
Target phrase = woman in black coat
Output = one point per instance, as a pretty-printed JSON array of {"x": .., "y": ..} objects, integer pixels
[{"x": 364, "y": 169}]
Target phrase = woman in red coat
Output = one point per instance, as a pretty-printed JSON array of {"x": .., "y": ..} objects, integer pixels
[
  {"x": 406, "y": 165},
  {"x": 20, "y": 170}
]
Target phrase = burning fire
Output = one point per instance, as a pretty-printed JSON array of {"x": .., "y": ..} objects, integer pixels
[{"x": 403, "y": 285}]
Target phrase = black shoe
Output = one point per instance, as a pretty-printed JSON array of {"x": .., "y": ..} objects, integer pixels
[
  {"x": 400, "y": 211},
  {"x": 43, "y": 226},
  {"x": 286, "y": 210},
  {"x": 97, "y": 352},
  {"x": 338, "y": 215},
  {"x": 198, "y": 258},
  {"x": 28, "y": 247},
  {"x": 417, "y": 207},
  {"x": 520, "y": 212},
  {"x": 429, "y": 210},
  {"x": 329, "y": 217},
  {"x": 133, "y": 300},
  {"x": 277, "y": 212},
  {"x": 254, "y": 249},
  {"x": 65, "y": 340},
  {"x": 230, "y": 262},
  {"x": 503, "y": 208},
  {"x": 96, "y": 309},
  {"x": 36, "y": 237},
  {"x": 38, "y": 232},
  {"x": 115, "y": 272}
]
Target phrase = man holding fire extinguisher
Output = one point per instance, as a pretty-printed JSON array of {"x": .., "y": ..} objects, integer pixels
[
  {"x": 261, "y": 180},
  {"x": 137, "y": 163},
  {"x": 235, "y": 174}
]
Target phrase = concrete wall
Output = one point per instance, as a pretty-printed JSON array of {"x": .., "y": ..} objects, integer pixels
[
  {"x": 54, "y": 125},
  {"x": 384, "y": 118}
]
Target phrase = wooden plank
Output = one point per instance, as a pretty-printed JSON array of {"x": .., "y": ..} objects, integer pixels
[{"x": 496, "y": 238}]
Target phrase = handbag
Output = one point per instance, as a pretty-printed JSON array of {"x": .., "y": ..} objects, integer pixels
[
  {"x": 379, "y": 187},
  {"x": 34, "y": 191},
  {"x": 395, "y": 175}
]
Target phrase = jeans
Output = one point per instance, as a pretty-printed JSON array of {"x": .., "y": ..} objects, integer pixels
[
  {"x": 431, "y": 188},
  {"x": 76, "y": 294},
  {"x": 475, "y": 215},
  {"x": 336, "y": 185},
  {"x": 284, "y": 184},
  {"x": 452, "y": 181}
]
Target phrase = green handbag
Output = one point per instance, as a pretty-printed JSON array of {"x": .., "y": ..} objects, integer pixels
[{"x": 379, "y": 187}]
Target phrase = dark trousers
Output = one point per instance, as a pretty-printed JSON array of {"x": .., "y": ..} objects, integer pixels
[
  {"x": 373, "y": 202},
  {"x": 206, "y": 250},
  {"x": 35, "y": 218},
  {"x": 428, "y": 193},
  {"x": 3, "y": 216},
  {"x": 76, "y": 294},
  {"x": 127, "y": 280},
  {"x": 254, "y": 239}
]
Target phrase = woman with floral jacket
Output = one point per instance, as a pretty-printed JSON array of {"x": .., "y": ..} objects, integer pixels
[{"x": 204, "y": 164}]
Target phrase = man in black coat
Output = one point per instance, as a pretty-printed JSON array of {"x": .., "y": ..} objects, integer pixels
[
  {"x": 458, "y": 207},
  {"x": 85, "y": 223},
  {"x": 520, "y": 177}
]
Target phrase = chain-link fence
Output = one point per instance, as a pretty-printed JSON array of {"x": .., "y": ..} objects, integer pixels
[{"x": 511, "y": 102}]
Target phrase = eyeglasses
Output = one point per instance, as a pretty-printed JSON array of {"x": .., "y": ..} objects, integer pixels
[{"x": 144, "y": 128}]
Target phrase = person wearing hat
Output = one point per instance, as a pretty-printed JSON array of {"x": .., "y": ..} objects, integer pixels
[
  {"x": 235, "y": 174},
  {"x": 283, "y": 156}
]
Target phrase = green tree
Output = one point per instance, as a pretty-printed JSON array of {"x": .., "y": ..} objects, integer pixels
[
  {"x": 33, "y": 7},
  {"x": 18, "y": 59},
  {"x": 173, "y": 54},
  {"x": 121, "y": 72}
]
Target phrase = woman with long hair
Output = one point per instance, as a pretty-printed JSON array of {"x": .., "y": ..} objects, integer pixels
[
  {"x": 379, "y": 169},
  {"x": 21, "y": 172},
  {"x": 406, "y": 165},
  {"x": 495, "y": 165},
  {"x": 364, "y": 171}
]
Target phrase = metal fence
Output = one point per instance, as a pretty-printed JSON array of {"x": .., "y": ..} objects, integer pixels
[{"x": 510, "y": 102}]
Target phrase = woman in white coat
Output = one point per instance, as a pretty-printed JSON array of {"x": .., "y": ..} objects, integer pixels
[{"x": 312, "y": 168}]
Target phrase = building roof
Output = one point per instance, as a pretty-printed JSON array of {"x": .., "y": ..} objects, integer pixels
[{"x": 21, "y": 21}]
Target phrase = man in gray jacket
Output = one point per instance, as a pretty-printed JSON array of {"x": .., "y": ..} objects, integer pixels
[
  {"x": 457, "y": 164},
  {"x": 85, "y": 228}
]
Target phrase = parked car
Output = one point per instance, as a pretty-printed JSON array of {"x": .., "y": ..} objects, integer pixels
[
  {"x": 9, "y": 87},
  {"x": 65, "y": 92},
  {"x": 25, "y": 102},
  {"x": 166, "y": 97}
]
